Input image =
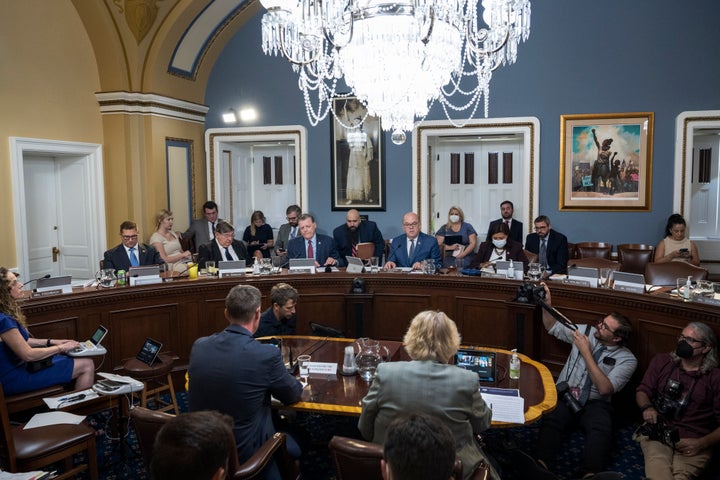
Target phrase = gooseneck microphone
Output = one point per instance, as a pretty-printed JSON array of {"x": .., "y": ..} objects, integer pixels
[{"x": 36, "y": 279}]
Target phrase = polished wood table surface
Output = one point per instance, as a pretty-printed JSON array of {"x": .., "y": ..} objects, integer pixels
[{"x": 340, "y": 394}]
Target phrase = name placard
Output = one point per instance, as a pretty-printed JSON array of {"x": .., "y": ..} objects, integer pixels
[
  {"x": 493, "y": 275},
  {"x": 636, "y": 288},
  {"x": 579, "y": 283},
  {"x": 707, "y": 300},
  {"x": 47, "y": 293},
  {"x": 324, "y": 368}
]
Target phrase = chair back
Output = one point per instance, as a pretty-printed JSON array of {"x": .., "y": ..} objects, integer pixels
[
  {"x": 188, "y": 243},
  {"x": 365, "y": 250},
  {"x": 532, "y": 257},
  {"x": 666, "y": 274},
  {"x": 595, "y": 262},
  {"x": 635, "y": 256},
  {"x": 147, "y": 424},
  {"x": 7, "y": 444},
  {"x": 325, "y": 331},
  {"x": 572, "y": 252},
  {"x": 593, "y": 249}
]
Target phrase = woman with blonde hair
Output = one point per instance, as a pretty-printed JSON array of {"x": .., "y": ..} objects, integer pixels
[
  {"x": 457, "y": 239},
  {"x": 258, "y": 236},
  {"x": 431, "y": 385},
  {"x": 20, "y": 352},
  {"x": 167, "y": 242}
]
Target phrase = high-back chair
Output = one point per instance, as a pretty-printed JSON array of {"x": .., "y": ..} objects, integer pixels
[
  {"x": 36, "y": 448},
  {"x": 635, "y": 256},
  {"x": 666, "y": 274},
  {"x": 595, "y": 262},
  {"x": 593, "y": 249}
]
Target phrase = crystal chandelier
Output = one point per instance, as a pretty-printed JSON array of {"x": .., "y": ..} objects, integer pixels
[{"x": 397, "y": 57}]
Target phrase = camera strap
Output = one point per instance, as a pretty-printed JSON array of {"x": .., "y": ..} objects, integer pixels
[{"x": 682, "y": 404}]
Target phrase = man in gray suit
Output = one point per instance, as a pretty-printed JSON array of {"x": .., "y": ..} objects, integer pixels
[
  {"x": 288, "y": 231},
  {"x": 202, "y": 230}
]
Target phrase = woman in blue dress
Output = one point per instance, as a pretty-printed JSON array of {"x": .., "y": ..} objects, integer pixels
[
  {"x": 17, "y": 348},
  {"x": 258, "y": 236},
  {"x": 456, "y": 239}
]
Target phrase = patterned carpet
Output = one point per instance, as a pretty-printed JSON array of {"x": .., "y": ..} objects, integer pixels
[{"x": 313, "y": 432}]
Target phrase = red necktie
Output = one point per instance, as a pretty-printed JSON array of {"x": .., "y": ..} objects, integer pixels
[
  {"x": 354, "y": 250},
  {"x": 310, "y": 253},
  {"x": 507, "y": 222}
]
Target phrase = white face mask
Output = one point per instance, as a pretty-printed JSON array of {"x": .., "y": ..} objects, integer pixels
[
  {"x": 499, "y": 243},
  {"x": 454, "y": 218}
]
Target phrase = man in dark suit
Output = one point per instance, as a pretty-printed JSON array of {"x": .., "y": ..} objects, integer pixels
[
  {"x": 411, "y": 248},
  {"x": 289, "y": 230},
  {"x": 223, "y": 247},
  {"x": 553, "y": 243},
  {"x": 311, "y": 245},
  {"x": 280, "y": 318},
  {"x": 355, "y": 231},
  {"x": 516, "y": 227},
  {"x": 202, "y": 230},
  {"x": 234, "y": 374},
  {"x": 129, "y": 252}
]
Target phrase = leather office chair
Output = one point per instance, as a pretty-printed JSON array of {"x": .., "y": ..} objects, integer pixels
[
  {"x": 532, "y": 257},
  {"x": 593, "y": 249},
  {"x": 148, "y": 422},
  {"x": 572, "y": 252},
  {"x": 666, "y": 274},
  {"x": 36, "y": 448},
  {"x": 187, "y": 243},
  {"x": 365, "y": 250},
  {"x": 325, "y": 331},
  {"x": 635, "y": 256},
  {"x": 359, "y": 460},
  {"x": 595, "y": 262}
]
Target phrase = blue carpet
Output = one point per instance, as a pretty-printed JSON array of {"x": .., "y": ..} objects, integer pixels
[{"x": 313, "y": 432}]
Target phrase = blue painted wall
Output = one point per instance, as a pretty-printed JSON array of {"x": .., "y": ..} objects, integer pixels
[{"x": 582, "y": 56}]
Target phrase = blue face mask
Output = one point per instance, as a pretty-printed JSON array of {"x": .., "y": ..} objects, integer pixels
[{"x": 499, "y": 243}]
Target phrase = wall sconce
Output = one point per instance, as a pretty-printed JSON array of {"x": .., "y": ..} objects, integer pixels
[{"x": 230, "y": 116}]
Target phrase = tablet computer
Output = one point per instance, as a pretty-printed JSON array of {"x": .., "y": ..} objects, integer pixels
[
  {"x": 481, "y": 362},
  {"x": 149, "y": 351}
]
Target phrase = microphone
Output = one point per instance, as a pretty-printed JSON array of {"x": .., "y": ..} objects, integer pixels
[
  {"x": 36, "y": 279},
  {"x": 73, "y": 398}
]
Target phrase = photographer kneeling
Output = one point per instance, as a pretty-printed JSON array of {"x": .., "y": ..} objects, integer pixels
[
  {"x": 680, "y": 401},
  {"x": 599, "y": 365}
]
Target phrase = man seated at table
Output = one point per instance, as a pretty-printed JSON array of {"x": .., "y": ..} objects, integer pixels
[
  {"x": 202, "y": 230},
  {"x": 233, "y": 373},
  {"x": 223, "y": 247},
  {"x": 279, "y": 319},
  {"x": 355, "y": 231},
  {"x": 418, "y": 446},
  {"x": 129, "y": 253},
  {"x": 598, "y": 366},
  {"x": 412, "y": 247},
  {"x": 311, "y": 245},
  {"x": 192, "y": 446}
]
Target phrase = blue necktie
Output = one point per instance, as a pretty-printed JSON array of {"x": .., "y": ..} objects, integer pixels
[
  {"x": 412, "y": 250},
  {"x": 133, "y": 258},
  {"x": 585, "y": 392},
  {"x": 293, "y": 232},
  {"x": 227, "y": 254}
]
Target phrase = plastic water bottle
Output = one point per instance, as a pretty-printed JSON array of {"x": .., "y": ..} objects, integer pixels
[
  {"x": 511, "y": 270},
  {"x": 688, "y": 287},
  {"x": 514, "y": 365}
]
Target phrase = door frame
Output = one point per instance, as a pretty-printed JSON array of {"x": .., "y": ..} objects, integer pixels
[
  {"x": 527, "y": 127},
  {"x": 92, "y": 156}
]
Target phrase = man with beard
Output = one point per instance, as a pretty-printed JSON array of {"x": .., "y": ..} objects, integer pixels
[
  {"x": 288, "y": 231},
  {"x": 549, "y": 245},
  {"x": 355, "y": 231},
  {"x": 507, "y": 209},
  {"x": 679, "y": 397}
]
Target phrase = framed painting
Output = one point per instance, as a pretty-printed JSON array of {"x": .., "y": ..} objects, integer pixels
[
  {"x": 606, "y": 161},
  {"x": 358, "y": 166}
]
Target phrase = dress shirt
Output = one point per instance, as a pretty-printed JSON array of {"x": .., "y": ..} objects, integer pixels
[
  {"x": 130, "y": 254},
  {"x": 233, "y": 254}
]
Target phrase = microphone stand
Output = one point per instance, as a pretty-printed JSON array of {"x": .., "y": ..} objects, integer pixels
[
  {"x": 566, "y": 322},
  {"x": 36, "y": 279}
]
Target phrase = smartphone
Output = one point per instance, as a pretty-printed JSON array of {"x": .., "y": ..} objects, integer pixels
[{"x": 684, "y": 250}]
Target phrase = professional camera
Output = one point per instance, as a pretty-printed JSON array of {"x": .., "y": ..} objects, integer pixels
[
  {"x": 668, "y": 403},
  {"x": 530, "y": 293},
  {"x": 660, "y": 431},
  {"x": 564, "y": 394}
]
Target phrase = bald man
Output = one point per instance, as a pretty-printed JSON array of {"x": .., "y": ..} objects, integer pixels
[
  {"x": 354, "y": 231},
  {"x": 412, "y": 247}
]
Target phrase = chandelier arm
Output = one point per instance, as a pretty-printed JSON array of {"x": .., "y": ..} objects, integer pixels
[
  {"x": 290, "y": 58},
  {"x": 482, "y": 52},
  {"x": 426, "y": 38},
  {"x": 331, "y": 38}
]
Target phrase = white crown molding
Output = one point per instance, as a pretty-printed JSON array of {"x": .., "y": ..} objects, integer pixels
[{"x": 127, "y": 103}]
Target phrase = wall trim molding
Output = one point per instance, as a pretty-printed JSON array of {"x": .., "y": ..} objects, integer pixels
[{"x": 135, "y": 103}]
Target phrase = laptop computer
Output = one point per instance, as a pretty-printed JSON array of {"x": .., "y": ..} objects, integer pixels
[
  {"x": 302, "y": 265},
  {"x": 92, "y": 346},
  {"x": 629, "y": 282},
  {"x": 144, "y": 275},
  {"x": 481, "y": 362},
  {"x": 585, "y": 276},
  {"x": 63, "y": 283},
  {"x": 149, "y": 351},
  {"x": 355, "y": 265},
  {"x": 231, "y": 268}
]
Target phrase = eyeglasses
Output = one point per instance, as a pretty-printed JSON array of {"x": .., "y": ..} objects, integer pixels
[
  {"x": 604, "y": 326},
  {"x": 291, "y": 219},
  {"x": 414, "y": 224},
  {"x": 682, "y": 337},
  {"x": 129, "y": 237}
]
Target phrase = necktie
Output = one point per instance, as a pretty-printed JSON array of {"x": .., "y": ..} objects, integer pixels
[
  {"x": 543, "y": 253},
  {"x": 133, "y": 258},
  {"x": 293, "y": 232},
  {"x": 585, "y": 392},
  {"x": 310, "y": 252},
  {"x": 228, "y": 256},
  {"x": 507, "y": 222},
  {"x": 354, "y": 250},
  {"x": 212, "y": 228},
  {"x": 412, "y": 250}
]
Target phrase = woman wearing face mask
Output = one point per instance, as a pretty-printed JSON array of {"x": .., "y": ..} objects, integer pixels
[
  {"x": 456, "y": 239},
  {"x": 499, "y": 248}
]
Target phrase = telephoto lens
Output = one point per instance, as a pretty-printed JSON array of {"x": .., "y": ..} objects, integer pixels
[{"x": 563, "y": 393}]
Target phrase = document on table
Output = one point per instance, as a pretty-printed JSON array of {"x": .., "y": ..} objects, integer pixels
[
  {"x": 36, "y": 475},
  {"x": 70, "y": 398},
  {"x": 506, "y": 404},
  {"x": 53, "y": 418}
]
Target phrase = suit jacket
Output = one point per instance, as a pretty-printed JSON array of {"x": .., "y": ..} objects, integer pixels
[
  {"x": 211, "y": 251},
  {"x": 234, "y": 374},
  {"x": 402, "y": 387},
  {"x": 271, "y": 326},
  {"x": 117, "y": 257},
  {"x": 367, "y": 232},
  {"x": 324, "y": 248},
  {"x": 557, "y": 250},
  {"x": 514, "y": 252},
  {"x": 283, "y": 236},
  {"x": 426, "y": 248},
  {"x": 199, "y": 231},
  {"x": 516, "y": 230}
]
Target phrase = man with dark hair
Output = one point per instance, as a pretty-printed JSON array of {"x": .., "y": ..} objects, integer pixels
[
  {"x": 233, "y": 373},
  {"x": 289, "y": 230},
  {"x": 506, "y": 216},
  {"x": 679, "y": 397},
  {"x": 354, "y": 231},
  {"x": 202, "y": 230},
  {"x": 130, "y": 253},
  {"x": 193, "y": 446},
  {"x": 279, "y": 319},
  {"x": 549, "y": 245},
  {"x": 223, "y": 247},
  {"x": 313, "y": 245},
  {"x": 418, "y": 446},
  {"x": 598, "y": 366}
]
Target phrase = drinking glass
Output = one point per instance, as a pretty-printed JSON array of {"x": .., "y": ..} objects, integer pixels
[
  {"x": 210, "y": 267},
  {"x": 430, "y": 269},
  {"x": 303, "y": 364},
  {"x": 704, "y": 288},
  {"x": 605, "y": 277},
  {"x": 534, "y": 272},
  {"x": 374, "y": 264},
  {"x": 265, "y": 266},
  {"x": 683, "y": 290}
]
